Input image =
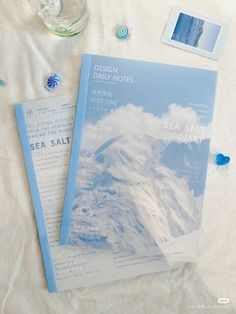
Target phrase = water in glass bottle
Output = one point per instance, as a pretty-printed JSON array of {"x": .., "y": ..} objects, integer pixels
[{"x": 64, "y": 17}]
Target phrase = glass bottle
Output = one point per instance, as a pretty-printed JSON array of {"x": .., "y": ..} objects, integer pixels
[{"x": 64, "y": 17}]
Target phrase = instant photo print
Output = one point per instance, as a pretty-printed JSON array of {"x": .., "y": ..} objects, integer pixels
[{"x": 195, "y": 33}]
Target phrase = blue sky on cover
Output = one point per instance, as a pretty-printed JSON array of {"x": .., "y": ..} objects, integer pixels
[{"x": 156, "y": 86}]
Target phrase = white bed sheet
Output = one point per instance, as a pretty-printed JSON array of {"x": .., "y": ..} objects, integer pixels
[{"x": 28, "y": 53}]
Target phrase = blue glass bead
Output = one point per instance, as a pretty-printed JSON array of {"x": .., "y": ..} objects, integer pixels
[
  {"x": 2, "y": 83},
  {"x": 122, "y": 32},
  {"x": 52, "y": 82},
  {"x": 222, "y": 160}
]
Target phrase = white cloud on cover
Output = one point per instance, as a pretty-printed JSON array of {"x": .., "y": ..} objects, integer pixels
[{"x": 178, "y": 124}]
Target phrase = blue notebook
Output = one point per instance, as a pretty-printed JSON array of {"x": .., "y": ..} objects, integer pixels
[
  {"x": 139, "y": 159},
  {"x": 45, "y": 129}
]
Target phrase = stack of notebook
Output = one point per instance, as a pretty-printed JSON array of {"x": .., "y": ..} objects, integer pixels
[{"x": 117, "y": 177}]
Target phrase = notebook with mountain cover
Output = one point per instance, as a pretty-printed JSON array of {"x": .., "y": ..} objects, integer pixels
[{"x": 138, "y": 164}]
